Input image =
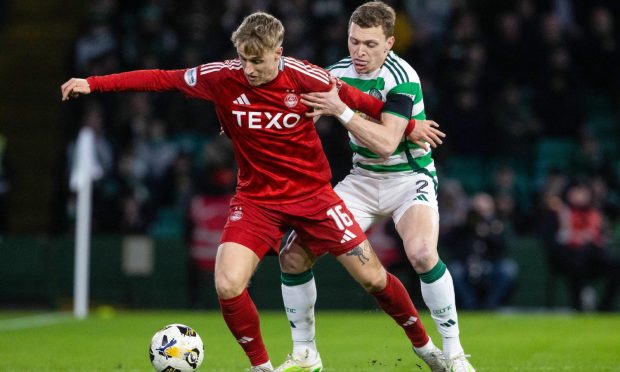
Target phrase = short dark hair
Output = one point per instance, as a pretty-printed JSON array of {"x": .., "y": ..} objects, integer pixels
[{"x": 373, "y": 14}]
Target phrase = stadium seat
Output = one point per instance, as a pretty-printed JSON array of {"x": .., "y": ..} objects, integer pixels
[
  {"x": 469, "y": 170},
  {"x": 169, "y": 224},
  {"x": 557, "y": 153}
]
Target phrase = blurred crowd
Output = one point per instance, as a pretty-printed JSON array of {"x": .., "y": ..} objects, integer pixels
[{"x": 527, "y": 91}]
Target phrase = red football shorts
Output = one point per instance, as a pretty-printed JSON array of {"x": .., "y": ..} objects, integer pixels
[{"x": 322, "y": 221}]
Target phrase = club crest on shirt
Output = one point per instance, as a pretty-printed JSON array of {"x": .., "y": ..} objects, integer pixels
[
  {"x": 291, "y": 100},
  {"x": 237, "y": 214},
  {"x": 375, "y": 93}
]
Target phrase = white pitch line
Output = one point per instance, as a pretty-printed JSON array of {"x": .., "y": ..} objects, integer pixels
[{"x": 34, "y": 321}]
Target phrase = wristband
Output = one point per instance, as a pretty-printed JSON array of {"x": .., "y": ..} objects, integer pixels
[
  {"x": 346, "y": 115},
  {"x": 410, "y": 126}
]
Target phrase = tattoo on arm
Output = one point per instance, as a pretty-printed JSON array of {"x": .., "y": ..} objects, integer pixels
[{"x": 359, "y": 252}]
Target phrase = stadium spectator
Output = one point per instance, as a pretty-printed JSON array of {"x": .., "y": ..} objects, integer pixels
[
  {"x": 430, "y": 18},
  {"x": 601, "y": 44},
  {"x": 483, "y": 274},
  {"x": 150, "y": 36},
  {"x": 105, "y": 203},
  {"x": 560, "y": 110},
  {"x": 96, "y": 50},
  {"x": 510, "y": 50},
  {"x": 283, "y": 178},
  {"x": 207, "y": 214},
  {"x": 513, "y": 204},
  {"x": 581, "y": 252},
  {"x": 391, "y": 177},
  {"x": 134, "y": 219},
  {"x": 453, "y": 208},
  {"x": 516, "y": 127}
]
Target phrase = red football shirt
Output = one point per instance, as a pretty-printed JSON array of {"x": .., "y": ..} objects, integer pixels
[{"x": 277, "y": 148}]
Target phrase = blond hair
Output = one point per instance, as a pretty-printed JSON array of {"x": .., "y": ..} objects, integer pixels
[
  {"x": 257, "y": 33},
  {"x": 373, "y": 14}
]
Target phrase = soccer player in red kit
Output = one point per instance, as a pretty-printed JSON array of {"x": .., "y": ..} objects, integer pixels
[{"x": 284, "y": 176}]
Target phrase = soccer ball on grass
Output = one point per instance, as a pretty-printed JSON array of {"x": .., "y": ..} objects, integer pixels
[{"x": 176, "y": 347}]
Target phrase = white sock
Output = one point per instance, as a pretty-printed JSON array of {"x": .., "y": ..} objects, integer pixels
[
  {"x": 438, "y": 294},
  {"x": 426, "y": 348},
  {"x": 299, "y": 296},
  {"x": 266, "y": 365}
]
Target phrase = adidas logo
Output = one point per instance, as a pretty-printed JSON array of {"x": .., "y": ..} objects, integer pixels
[
  {"x": 244, "y": 340},
  {"x": 448, "y": 324},
  {"x": 242, "y": 100},
  {"x": 410, "y": 321},
  {"x": 421, "y": 197},
  {"x": 348, "y": 236}
]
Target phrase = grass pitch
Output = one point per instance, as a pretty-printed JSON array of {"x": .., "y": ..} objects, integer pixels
[{"x": 348, "y": 341}]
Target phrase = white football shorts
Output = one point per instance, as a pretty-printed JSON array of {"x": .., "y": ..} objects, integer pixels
[{"x": 372, "y": 199}]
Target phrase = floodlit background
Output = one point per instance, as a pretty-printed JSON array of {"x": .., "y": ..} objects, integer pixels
[{"x": 527, "y": 91}]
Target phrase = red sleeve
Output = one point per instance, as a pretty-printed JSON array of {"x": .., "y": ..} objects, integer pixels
[
  {"x": 360, "y": 101},
  {"x": 185, "y": 81},
  {"x": 140, "y": 80}
]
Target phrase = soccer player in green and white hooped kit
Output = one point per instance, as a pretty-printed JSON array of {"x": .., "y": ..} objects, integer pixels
[{"x": 391, "y": 176}]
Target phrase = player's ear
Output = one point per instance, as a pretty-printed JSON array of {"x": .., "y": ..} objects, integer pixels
[
  {"x": 390, "y": 43},
  {"x": 278, "y": 52}
]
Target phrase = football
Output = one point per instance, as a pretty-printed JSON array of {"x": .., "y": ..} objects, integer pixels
[{"x": 176, "y": 347}]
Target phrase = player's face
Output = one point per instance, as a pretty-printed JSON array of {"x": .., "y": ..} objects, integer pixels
[
  {"x": 260, "y": 69},
  {"x": 368, "y": 47}
]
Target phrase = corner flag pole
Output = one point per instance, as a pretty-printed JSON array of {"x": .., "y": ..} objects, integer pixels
[{"x": 85, "y": 169}]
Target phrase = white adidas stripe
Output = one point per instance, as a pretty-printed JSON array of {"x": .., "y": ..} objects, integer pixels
[
  {"x": 211, "y": 64},
  {"x": 410, "y": 321},
  {"x": 242, "y": 100},
  {"x": 307, "y": 71},
  {"x": 217, "y": 66},
  {"x": 310, "y": 68},
  {"x": 245, "y": 340},
  {"x": 350, "y": 234}
]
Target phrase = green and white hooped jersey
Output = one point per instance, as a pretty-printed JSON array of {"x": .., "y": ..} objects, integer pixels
[{"x": 394, "y": 76}]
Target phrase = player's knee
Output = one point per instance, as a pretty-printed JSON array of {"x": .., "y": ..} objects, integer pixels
[
  {"x": 293, "y": 264},
  {"x": 422, "y": 255},
  {"x": 375, "y": 282},
  {"x": 294, "y": 259},
  {"x": 228, "y": 286}
]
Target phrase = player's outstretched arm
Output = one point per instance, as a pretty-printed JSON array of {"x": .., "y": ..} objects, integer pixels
[
  {"x": 73, "y": 88},
  {"x": 137, "y": 81},
  {"x": 380, "y": 139}
]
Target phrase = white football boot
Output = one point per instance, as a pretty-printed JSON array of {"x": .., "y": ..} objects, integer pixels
[
  {"x": 459, "y": 363},
  {"x": 297, "y": 363},
  {"x": 434, "y": 358}
]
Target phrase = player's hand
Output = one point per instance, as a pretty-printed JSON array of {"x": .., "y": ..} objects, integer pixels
[
  {"x": 324, "y": 103},
  {"x": 73, "y": 88},
  {"x": 425, "y": 132}
]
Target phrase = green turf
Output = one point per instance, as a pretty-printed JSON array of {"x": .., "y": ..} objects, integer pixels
[{"x": 348, "y": 341}]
